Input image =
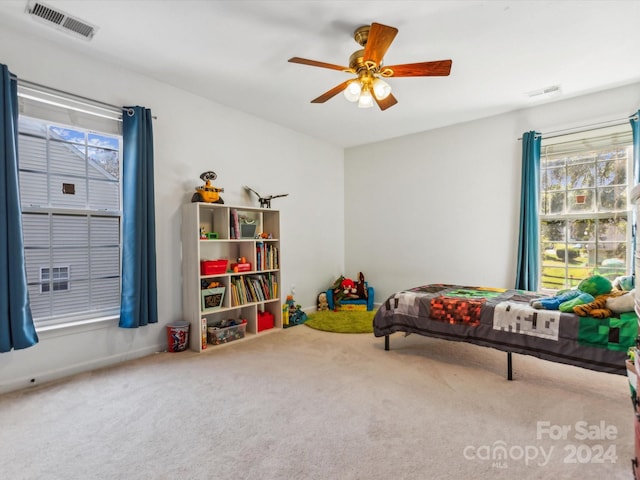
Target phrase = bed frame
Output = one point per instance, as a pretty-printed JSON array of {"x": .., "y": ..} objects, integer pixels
[
  {"x": 504, "y": 320},
  {"x": 509, "y": 359}
]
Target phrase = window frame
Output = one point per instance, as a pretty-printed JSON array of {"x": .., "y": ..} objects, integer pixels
[
  {"x": 53, "y": 281},
  {"x": 622, "y": 129},
  {"x": 90, "y": 315}
]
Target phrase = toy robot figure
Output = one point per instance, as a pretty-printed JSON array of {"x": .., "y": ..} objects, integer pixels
[{"x": 207, "y": 192}]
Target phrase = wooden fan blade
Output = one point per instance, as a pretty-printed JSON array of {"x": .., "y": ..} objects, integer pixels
[
  {"x": 331, "y": 93},
  {"x": 390, "y": 101},
  {"x": 313, "y": 63},
  {"x": 378, "y": 41},
  {"x": 440, "y": 68}
]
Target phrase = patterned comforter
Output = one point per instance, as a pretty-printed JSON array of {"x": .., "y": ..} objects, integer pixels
[{"x": 503, "y": 319}]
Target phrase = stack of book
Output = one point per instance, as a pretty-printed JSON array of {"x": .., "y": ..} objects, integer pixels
[
  {"x": 253, "y": 288},
  {"x": 266, "y": 256}
]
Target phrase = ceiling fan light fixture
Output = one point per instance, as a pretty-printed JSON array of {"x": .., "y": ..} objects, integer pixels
[
  {"x": 381, "y": 89},
  {"x": 365, "y": 100},
  {"x": 353, "y": 90},
  {"x": 367, "y": 64}
]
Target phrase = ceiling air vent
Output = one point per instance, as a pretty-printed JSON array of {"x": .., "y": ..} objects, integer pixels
[
  {"x": 60, "y": 20},
  {"x": 544, "y": 92}
]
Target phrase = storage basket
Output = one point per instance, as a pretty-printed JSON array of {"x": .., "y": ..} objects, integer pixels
[
  {"x": 265, "y": 321},
  {"x": 212, "y": 298},
  {"x": 213, "y": 267},
  {"x": 219, "y": 335}
]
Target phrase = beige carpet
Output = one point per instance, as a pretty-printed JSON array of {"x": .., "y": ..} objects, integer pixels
[{"x": 306, "y": 404}]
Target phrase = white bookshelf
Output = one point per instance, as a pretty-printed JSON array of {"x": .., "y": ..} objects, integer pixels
[{"x": 218, "y": 218}]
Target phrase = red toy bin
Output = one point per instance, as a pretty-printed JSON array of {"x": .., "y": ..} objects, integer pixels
[
  {"x": 178, "y": 336},
  {"x": 213, "y": 267},
  {"x": 241, "y": 267},
  {"x": 265, "y": 321}
]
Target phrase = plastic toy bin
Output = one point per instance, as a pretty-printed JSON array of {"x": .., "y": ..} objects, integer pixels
[
  {"x": 219, "y": 335},
  {"x": 213, "y": 267},
  {"x": 265, "y": 321}
]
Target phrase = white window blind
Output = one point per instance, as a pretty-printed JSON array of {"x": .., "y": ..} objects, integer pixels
[{"x": 69, "y": 160}]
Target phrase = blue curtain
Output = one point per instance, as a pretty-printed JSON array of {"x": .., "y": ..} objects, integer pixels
[
  {"x": 528, "y": 244},
  {"x": 635, "y": 129},
  {"x": 16, "y": 323},
  {"x": 139, "y": 299}
]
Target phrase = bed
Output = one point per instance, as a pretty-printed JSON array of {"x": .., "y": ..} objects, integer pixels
[{"x": 503, "y": 319}]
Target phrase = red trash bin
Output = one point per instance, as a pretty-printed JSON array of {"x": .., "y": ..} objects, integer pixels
[{"x": 178, "y": 336}]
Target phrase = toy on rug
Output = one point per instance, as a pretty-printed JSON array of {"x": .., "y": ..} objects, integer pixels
[
  {"x": 586, "y": 292},
  {"x": 361, "y": 287},
  {"x": 296, "y": 315},
  {"x": 346, "y": 289},
  {"x": 323, "y": 303},
  {"x": 338, "y": 292}
]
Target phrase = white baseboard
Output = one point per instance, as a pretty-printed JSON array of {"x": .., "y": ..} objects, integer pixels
[{"x": 41, "y": 378}]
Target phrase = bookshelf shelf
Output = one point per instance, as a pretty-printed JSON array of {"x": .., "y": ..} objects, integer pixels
[{"x": 246, "y": 293}]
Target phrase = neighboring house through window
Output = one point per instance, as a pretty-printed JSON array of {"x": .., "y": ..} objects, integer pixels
[
  {"x": 585, "y": 216},
  {"x": 71, "y": 212}
]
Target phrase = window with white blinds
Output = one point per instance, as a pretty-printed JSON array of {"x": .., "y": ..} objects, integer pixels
[
  {"x": 71, "y": 211},
  {"x": 584, "y": 210}
]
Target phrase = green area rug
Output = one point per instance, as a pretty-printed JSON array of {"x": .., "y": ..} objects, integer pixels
[{"x": 349, "y": 321}]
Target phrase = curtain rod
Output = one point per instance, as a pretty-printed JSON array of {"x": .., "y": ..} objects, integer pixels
[
  {"x": 586, "y": 128},
  {"x": 88, "y": 101}
]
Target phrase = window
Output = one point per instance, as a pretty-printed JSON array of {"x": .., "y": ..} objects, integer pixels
[
  {"x": 584, "y": 207},
  {"x": 71, "y": 213},
  {"x": 59, "y": 279}
]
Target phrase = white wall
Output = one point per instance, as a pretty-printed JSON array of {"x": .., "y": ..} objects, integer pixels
[
  {"x": 191, "y": 135},
  {"x": 443, "y": 206},
  {"x": 439, "y": 206}
]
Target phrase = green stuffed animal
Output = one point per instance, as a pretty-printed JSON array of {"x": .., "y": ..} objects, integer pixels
[
  {"x": 595, "y": 285},
  {"x": 585, "y": 292}
]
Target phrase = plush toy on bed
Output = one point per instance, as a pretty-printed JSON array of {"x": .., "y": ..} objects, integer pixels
[
  {"x": 586, "y": 292},
  {"x": 621, "y": 299},
  {"x": 626, "y": 283}
]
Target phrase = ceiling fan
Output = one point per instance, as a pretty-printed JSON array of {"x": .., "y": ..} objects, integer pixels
[{"x": 366, "y": 63}]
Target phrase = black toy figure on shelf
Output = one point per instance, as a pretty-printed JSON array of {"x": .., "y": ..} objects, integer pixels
[{"x": 265, "y": 202}]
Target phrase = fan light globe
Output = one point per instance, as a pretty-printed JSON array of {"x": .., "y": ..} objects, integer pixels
[
  {"x": 366, "y": 100},
  {"x": 381, "y": 89},
  {"x": 352, "y": 92}
]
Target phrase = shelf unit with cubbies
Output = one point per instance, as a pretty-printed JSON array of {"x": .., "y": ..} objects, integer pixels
[{"x": 225, "y": 237}]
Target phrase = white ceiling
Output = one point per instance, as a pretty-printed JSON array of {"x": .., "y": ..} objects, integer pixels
[{"x": 235, "y": 53}]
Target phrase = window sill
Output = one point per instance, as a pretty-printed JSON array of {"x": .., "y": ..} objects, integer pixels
[{"x": 77, "y": 326}]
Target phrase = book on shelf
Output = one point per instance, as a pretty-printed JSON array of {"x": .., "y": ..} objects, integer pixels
[
  {"x": 266, "y": 256},
  {"x": 253, "y": 289},
  {"x": 235, "y": 299},
  {"x": 253, "y": 295},
  {"x": 236, "y": 221},
  {"x": 234, "y": 225}
]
